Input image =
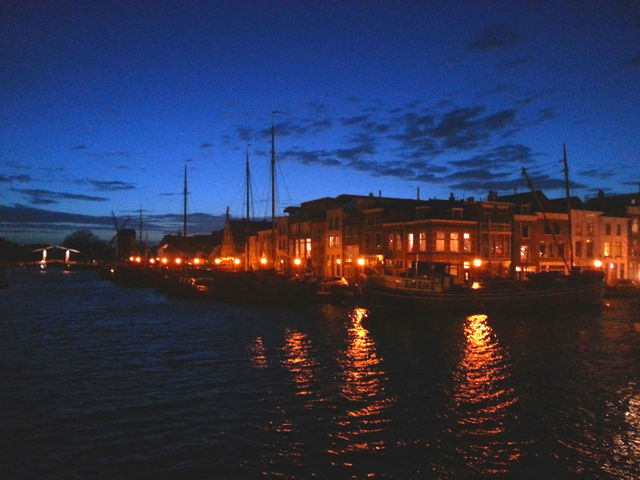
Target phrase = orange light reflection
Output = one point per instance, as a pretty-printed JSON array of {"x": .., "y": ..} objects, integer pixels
[
  {"x": 364, "y": 391},
  {"x": 298, "y": 361},
  {"x": 259, "y": 354},
  {"x": 483, "y": 402}
]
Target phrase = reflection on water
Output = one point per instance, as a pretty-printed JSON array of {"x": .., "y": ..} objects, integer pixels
[
  {"x": 259, "y": 354},
  {"x": 483, "y": 399},
  {"x": 299, "y": 362},
  {"x": 363, "y": 390},
  {"x": 625, "y": 460}
]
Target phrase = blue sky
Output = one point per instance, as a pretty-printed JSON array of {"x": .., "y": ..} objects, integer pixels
[{"x": 104, "y": 102}]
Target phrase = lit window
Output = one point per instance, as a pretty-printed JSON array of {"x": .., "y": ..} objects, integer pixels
[
  {"x": 423, "y": 241},
  {"x": 606, "y": 250},
  {"x": 453, "y": 242},
  {"x": 439, "y": 241}
]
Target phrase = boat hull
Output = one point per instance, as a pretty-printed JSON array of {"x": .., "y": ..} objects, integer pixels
[{"x": 557, "y": 295}]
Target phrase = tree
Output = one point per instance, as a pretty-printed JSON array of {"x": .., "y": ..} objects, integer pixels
[{"x": 89, "y": 245}]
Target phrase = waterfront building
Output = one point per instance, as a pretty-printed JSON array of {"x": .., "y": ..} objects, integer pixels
[{"x": 509, "y": 236}]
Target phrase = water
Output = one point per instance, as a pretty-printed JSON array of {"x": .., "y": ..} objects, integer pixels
[{"x": 100, "y": 381}]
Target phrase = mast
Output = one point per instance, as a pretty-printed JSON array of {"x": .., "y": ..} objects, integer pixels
[
  {"x": 248, "y": 186},
  {"x": 566, "y": 186},
  {"x": 273, "y": 186},
  {"x": 544, "y": 214},
  {"x": 273, "y": 192},
  {"x": 184, "y": 216}
]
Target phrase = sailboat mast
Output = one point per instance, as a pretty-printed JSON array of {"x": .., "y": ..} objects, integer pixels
[
  {"x": 273, "y": 192},
  {"x": 566, "y": 186},
  {"x": 248, "y": 186},
  {"x": 184, "y": 216}
]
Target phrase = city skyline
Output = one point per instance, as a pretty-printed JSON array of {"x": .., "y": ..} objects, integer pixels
[{"x": 105, "y": 104}]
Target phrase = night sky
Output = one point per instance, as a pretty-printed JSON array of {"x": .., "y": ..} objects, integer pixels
[{"x": 104, "y": 103}]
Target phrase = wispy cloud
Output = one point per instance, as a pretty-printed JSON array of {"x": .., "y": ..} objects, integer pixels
[
  {"x": 48, "y": 197},
  {"x": 411, "y": 142},
  {"x": 633, "y": 61},
  {"x": 15, "y": 178},
  {"x": 106, "y": 186},
  {"x": 206, "y": 145},
  {"x": 495, "y": 37}
]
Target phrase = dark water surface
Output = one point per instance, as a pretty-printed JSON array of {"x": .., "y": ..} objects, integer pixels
[{"x": 100, "y": 381}]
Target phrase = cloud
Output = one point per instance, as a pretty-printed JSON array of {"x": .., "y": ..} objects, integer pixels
[
  {"x": 410, "y": 142},
  {"x": 633, "y": 61},
  {"x": 118, "y": 154},
  {"x": 595, "y": 173},
  {"x": 498, "y": 157},
  {"x": 465, "y": 128},
  {"x": 47, "y": 197},
  {"x": 206, "y": 145},
  {"x": 495, "y": 37},
  {"x": 79, "y": 147},
  {"x": 107, "y": 186},
  {"x": 15, "y": 178}
]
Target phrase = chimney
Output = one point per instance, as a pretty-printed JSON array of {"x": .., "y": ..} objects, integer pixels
[{"x": 379, "y": 193}]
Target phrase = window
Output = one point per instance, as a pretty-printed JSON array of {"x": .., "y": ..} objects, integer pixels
[
  {"x": 466, "y": 242},
  {"x": 578, "y": 228},
  {"x": 499, "y": 244},
  {"x": 347, "y": 232},
  {"x": 410, "y": 242},
  {"x": 543, "y": 250},
  {"x": 423, "y": 241},
  {"x": 378, "y": 240},
  {"x": 453, "y": 242},
  {"x": 334, "y": 241},
  {"x": 607, "y": 229},
  {"x": 634, "y": 225},
  {"x": 617, "y": 249},
  {"x": 606, "y": 250},
  {"x": 439, "y": 241},
  {"x": 524, "y": 253},
  {"x": 551, "y": 228},
  {"x": 398, "y": 242},
  {"x": 618, "y": 230},
  {"x": 589, "y": 249},
  {"x": 578, "y": 251},
  {"x": 453, "y": 270},
  {"x": 525, "y": 231},
  {"x": 589, "y": 228}
]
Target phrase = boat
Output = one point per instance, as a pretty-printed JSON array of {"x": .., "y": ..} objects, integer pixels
[{"x": 538, "y": 292}]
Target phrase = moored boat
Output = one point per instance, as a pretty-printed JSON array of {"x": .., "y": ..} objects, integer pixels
[{"x": 539, "y": 292}]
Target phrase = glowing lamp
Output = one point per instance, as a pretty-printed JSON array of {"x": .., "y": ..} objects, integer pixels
[
  {"x": 178, "y": 261},
  {"x": 131, "y": 259},
  {"x": 196, "y": 261},
  {"x": 361, "y": 262},
  {"x": 164, "y": 260},
  {"x": 138, "y": 259},
  {"x": 477, "y": 262},
  {"x": 152, "y": 261},
  {"x": 297, "y": 261},
  {"x": 597, "y": 263},
  {"x": 338, "y": 261},
  {"x": 263, "y": 261},
  {"x": 236, "y": 261},
  {"x": 217, "y": 260}
]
